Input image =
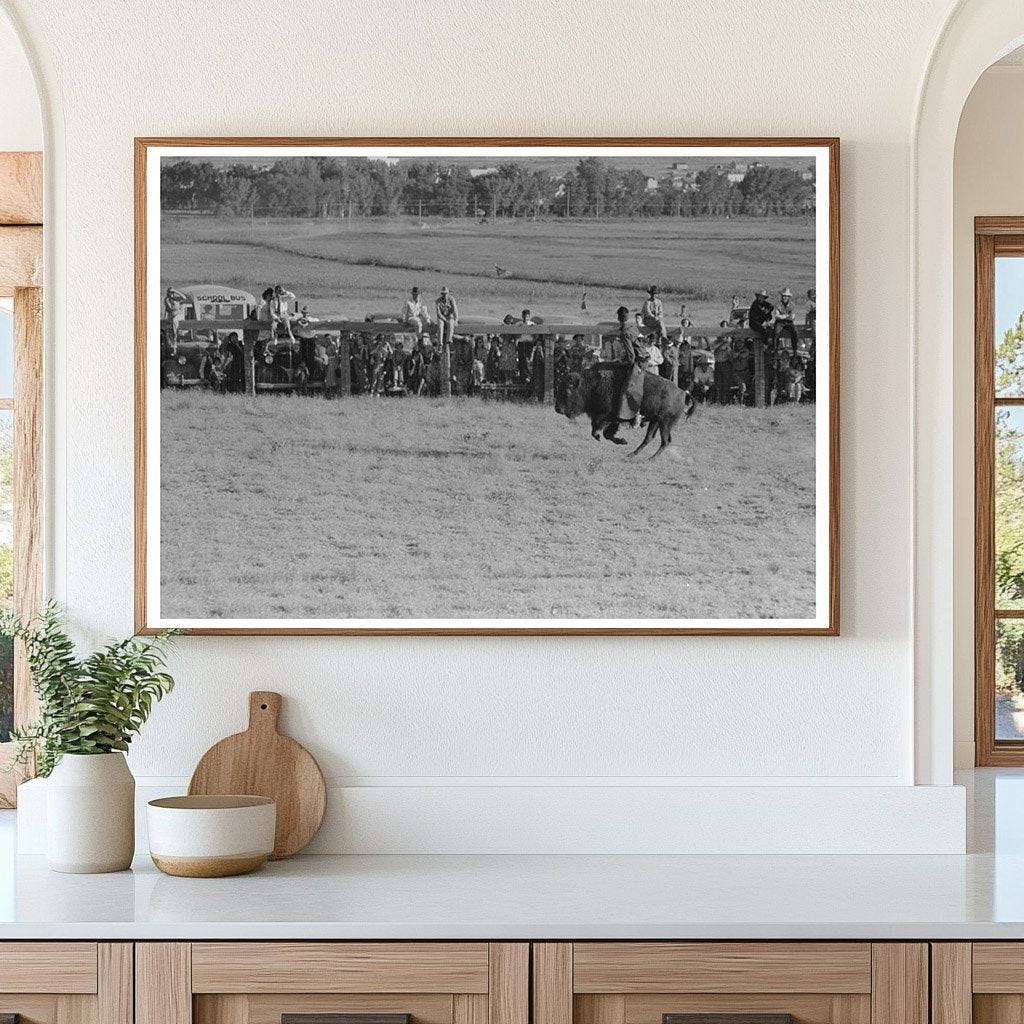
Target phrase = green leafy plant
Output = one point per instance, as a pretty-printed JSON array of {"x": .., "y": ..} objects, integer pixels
[{"x": 90, "y": 705}]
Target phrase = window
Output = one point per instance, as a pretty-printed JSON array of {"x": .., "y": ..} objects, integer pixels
[
  {"x": 6, "y": 510},
  {"x": 21, "y": 375},
  {"x": 999, "y": 490}
]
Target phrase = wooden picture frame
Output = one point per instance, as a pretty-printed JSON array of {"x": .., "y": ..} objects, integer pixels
[{"x": 827, "y": 609}]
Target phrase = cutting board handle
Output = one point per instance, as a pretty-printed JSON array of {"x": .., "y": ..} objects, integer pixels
[{"x": 264, "y": 710}]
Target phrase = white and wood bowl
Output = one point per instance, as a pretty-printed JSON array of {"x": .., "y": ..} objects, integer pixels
[{"x": 211, "y": 836}]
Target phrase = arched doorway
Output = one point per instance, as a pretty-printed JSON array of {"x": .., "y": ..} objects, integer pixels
[{"x": 976, "y": 34}]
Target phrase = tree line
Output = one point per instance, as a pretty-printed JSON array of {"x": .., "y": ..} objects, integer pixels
[{"x": 327, "y": 187}]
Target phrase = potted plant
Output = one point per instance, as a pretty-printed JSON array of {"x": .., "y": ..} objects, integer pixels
[{"x": 89, "y": 710}]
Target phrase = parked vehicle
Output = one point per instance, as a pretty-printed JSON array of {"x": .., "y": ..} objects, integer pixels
[{"x": 191, "y": 357}]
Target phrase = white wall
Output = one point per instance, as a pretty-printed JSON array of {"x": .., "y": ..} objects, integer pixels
[
  {"x": 443, "y": 713},
  {"x": 988, "y": 181},
  {"x": 21, "y": 124}
]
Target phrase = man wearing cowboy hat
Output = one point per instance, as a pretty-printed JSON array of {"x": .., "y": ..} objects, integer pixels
[
  {"x": 414, "y": 313},
  {"x": 785, "y": 318},
  {"x": 653, "y": 314},
  {"x": 761, "y": 312}
]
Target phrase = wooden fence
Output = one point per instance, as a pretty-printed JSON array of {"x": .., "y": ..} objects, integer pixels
[{"x": 346, "y": 330}]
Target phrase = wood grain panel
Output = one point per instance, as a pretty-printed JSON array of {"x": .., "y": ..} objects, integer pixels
[
  {"x": 552, "y": 983},
  {"x": 756, "y": 967},
  {"x": 899, "y": 990},
  {"x": 951, "y": 983},
  {"x": 807, "y": 1009},
  {"x": 998, "y": 967},
  {"x": 163, "y": 983},
  {"x": 21, "y": 188},
  {"x": 599, "y": 1009},
  {"x": 115, "y": 984},
  {"x": 998, "y": 1009},
  {"x": 267, "y": 1009},
  {"x": 21, "y": 258},
  {"x": 33, "y": 1009},
  {"x": 340, "y": 967},
  {"x": 851, "y": 1009},
  {"x": 48, "y": 967},
  {"x": 76, "y": 1009},
  {"x": 469, "y": 1008},
  {"x": 227, "y": 1009},
  {"x": 508, "y": 989}
]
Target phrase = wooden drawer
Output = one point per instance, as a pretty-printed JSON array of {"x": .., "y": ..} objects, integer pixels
[
  {"x": 259, "y": 982},
  {"x": 66, "y": 982},
  {"x": 814, "y": 982}
]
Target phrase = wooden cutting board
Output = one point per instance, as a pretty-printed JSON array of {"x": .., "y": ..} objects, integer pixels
[{"x": 262, "y": 762}]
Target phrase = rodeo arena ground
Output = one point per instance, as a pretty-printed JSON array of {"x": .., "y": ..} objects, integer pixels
[{"x": 379, "y": 452}]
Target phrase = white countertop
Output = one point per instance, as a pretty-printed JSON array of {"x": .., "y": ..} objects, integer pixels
[
  {"x": 532, "y": 897},
  {"x": 978, "y": 896}
]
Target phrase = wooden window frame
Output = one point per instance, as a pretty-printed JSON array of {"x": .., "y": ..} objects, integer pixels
[{"x": 21, "y": 277}]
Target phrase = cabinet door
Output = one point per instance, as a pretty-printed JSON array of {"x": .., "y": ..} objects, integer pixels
[
  {"x": 981, "y": 982},
  {"x": 730, "y": 983},
  {"x": 332, "y": 983},
  {"x": 66, "y": 982}
]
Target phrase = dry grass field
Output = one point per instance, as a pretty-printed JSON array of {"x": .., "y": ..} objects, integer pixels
[
  {"x": 289, "y": 507},
  {"x": 367, "y": 266}
]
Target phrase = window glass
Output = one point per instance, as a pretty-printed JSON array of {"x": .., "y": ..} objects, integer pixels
[
  {"x": 1009, "y": 327},
  {"x": 1009, "y": 511},
  {"x": 6, "y": 567},
  {"x": 1009, "y": 679}
]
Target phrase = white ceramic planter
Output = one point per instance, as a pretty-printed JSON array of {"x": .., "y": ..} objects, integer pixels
[{"x": 90, "y": 814}]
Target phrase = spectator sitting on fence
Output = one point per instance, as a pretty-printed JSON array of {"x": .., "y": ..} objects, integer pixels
[
  {"x": 280, "y": 308},
  {"x": 414, "y": 313},
  {"x": 761, "y": 312},
  {"x": 175, "y": 303},
  {"x": 652, "y": 314},
  {"x": 785, "y": 320},
  {"x": 447, "y": 316}
]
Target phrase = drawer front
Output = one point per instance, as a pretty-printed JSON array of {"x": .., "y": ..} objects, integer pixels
[
  {"x": 66, "y": 982},
  {"x": 637, "y": 967},
  {"x": 730, "y": 983},
  {"x": 51, "y": 967},
  {"x": 340, "y": 967},
  {"x": 264, "y": 982}
]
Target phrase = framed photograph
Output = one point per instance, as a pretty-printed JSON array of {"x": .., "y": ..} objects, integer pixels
[{"x": 487, "y": 386}]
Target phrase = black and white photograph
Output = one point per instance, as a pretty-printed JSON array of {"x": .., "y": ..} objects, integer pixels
[{"x": 411, "y": 386}]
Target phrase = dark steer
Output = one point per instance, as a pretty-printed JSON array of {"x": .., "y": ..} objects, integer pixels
[{"x": 595, "y": 392}]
